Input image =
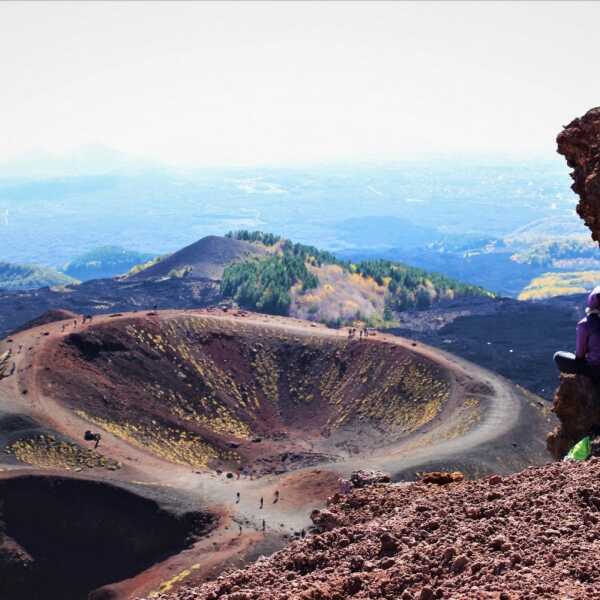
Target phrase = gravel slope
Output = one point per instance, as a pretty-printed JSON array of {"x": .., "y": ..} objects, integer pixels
[{"x": 535, "y": 534}]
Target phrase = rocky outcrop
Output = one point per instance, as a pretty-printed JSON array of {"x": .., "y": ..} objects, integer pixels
[
  {"x": 577, "y": 406},
  {"x": 579, "y": 143},
  {"x": 525, "y": 536}
]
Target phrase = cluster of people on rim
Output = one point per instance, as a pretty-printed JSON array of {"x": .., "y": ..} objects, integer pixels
[
  {"x": 363, "y": 332},
  {"x": 586, "y": 360}
]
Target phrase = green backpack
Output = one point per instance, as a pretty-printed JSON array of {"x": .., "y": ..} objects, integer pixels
[{"x": 582, "y": 450}]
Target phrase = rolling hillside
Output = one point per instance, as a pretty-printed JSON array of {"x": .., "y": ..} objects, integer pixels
[
  {"x": 303, "y": 281},
  {"x": 27, "y": 277},
  {"x": 104, "y": 261}
]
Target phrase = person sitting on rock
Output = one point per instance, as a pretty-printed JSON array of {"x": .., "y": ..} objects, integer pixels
[{"x": 586, "y": 360}]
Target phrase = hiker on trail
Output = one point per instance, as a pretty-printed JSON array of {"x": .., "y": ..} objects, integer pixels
[
  {"x": 262, "y": 502},
  {"x": 276, "y": 497},
  {"x": 90, "y": 436},
  {"x": 237, "y": 498},
  {"x": 586, "y": 360},
  {"x": 264, "y": 525}
]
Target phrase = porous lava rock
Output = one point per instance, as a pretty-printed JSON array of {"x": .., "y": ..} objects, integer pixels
[
  {"x": 577, "y": 406},
  {"x": 579, "y": 143},
  {"x": 442, "y": 477},
  {"x": 530, "y": 536},
  {"x": 361, "y": 478}
]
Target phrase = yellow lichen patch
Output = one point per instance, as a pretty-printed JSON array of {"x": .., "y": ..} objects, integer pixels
[
  {"x": 402, "y": 398},
  {"x": 212, "y": 415},
  {"x": 266, "y": 372},
  {"x": 45, "y": 451},
  {"x": 167, "y": 586},
  {"x": 175, "y": 445}
]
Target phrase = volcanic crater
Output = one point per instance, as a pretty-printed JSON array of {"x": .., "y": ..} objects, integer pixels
[
  {"x": 62, "y": 537},
  {"x": 206, "y": 392},
  {"x": 248, "y": 421}
]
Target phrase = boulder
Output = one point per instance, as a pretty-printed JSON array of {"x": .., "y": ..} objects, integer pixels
[
  {"x": 579, "y": 143},
  {"x": 362, "y": 479},
  {"x": 577, "y": 406}
]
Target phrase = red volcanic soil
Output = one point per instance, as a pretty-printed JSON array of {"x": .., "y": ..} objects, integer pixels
[
  {"x": 209, "y": 392},
  {"x": 178, "y": 396},
  {"x": 528, "y": 536}
]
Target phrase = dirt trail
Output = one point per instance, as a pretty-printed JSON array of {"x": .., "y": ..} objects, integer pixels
[{"x": 503, "y": 415}]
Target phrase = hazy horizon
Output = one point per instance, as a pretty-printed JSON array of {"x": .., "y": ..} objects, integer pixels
[{"x": 193, "y": 85}]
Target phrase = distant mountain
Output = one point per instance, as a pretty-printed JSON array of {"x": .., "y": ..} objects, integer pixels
[
  {"x": 27, "y": 277},
  {"x": 105, "y": 261},
  {"x": 204, "y": 259}
]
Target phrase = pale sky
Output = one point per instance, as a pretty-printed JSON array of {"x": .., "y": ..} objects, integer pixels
[{"x": 278, "y": 83}]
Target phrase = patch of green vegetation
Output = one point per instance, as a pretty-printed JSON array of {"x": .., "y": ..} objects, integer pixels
[
  {"x": 263, "y": 284},
  {"x": 310, "y": 254},
  {"x": 268, "y": 239},
  {"x": 409, "y": 287},
  {"x": 27, "y": 277},
  {"x": 105, "y": 261}
]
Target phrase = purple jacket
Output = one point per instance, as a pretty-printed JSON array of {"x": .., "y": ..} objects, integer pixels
[{"x": 588, "y": 340}]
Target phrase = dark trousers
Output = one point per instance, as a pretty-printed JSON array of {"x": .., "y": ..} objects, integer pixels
[{"x": 567, "y": 362}]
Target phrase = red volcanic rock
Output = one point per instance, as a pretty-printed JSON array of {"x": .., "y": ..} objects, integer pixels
[
  {"x": 442, "y": 477},
  {"x": 324, "y": 520},
  {"x": 361, "y": 479},
  {"x": 532, "y": 536},
  {"x": 577, "y": 406},
  {"x": 579, "y": 143}
]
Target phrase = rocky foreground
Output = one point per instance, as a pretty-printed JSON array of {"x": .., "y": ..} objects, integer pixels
[{"x": 535, "y": 534}]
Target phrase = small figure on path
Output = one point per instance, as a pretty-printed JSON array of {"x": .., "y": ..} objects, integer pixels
[
  {"x": 276, "y": 497},
  {"x": 90, "y": 436},
  {"x": 262, "y": 502},
  {"x": 237, "y": 498},
  {"x": 264, "y": 525}
]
